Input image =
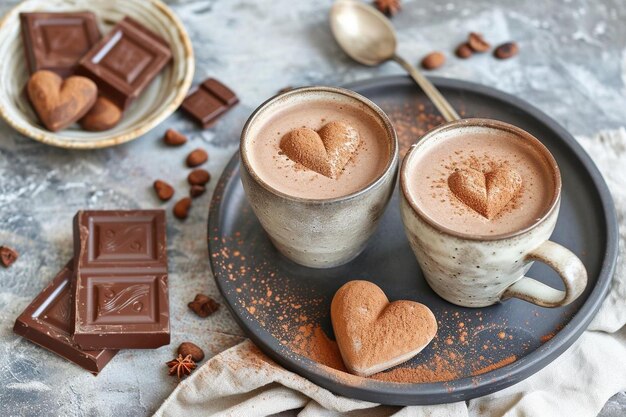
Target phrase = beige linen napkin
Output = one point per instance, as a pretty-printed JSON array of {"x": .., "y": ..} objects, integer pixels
[{"x": 244, "y": 382}]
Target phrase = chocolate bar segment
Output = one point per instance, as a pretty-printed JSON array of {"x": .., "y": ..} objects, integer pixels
[
  {"x": 57, "y": 41},
  {"x": 121, "y": 286},
  {"x": 125, "y": 61},
  {"x": 209, "y": 101},
  {"x": 47, "y": 322}
]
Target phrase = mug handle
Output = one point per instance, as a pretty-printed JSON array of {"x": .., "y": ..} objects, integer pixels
[{"x": 565, "y": 263}]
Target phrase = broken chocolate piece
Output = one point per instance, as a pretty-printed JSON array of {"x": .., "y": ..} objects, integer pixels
[
  {"x": 209, "y": 101},
  {"x": 47, "y": 322}
]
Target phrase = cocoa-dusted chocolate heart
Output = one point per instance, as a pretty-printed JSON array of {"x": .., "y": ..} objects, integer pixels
[
  {"x": 58, "y": 102},
  {"x": 326, "y": 151},
  {"x": 487, "y": 193},
  {"x": 103, "y": 115},
  {"x": 374, "y": 334}
]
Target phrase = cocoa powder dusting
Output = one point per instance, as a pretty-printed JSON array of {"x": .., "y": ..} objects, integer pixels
[
  {"x": 296, "y": 313},
  {"x": 504, "y": 362},
  {"x": 413, "y": 120}
]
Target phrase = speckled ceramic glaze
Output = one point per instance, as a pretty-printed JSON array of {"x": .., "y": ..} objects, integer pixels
[
  {"x": 319, "y": 233},
  {"x": 477, "y": 271}
]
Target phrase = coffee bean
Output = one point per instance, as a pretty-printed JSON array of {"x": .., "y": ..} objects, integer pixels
[
  {"x": 198, "y": 177},
  {"x": 197, "y": 157},
  {"x": 477, "y": 42},
  {"x": 181, "y": 208},
  {"x": 203, "y": 305},
  {"x": 197, "y": 190},
  {"x": 433, "y": 60},
  {"x": 285, "y": 89},
  {"x": 174, "y": 138},
  {"x": 506, "y": 50},
  {"x": 463, "y": 51},
  {"x": 7, "y": 256},
  {"x": 188, "y": 348},
  {"x": 163, "y": 190}
]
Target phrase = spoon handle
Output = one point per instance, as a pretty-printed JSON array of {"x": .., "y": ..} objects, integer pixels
[{"x": 444, "y": 107}]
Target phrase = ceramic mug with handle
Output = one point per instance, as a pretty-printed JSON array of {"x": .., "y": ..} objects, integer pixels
[{"x": 476, "y": 270}]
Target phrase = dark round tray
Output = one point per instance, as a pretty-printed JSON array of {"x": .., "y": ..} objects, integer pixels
[{"x": 249, "y": 271}]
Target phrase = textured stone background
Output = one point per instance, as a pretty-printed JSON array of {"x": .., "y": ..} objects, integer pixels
[{"x": 572, "y": 66}]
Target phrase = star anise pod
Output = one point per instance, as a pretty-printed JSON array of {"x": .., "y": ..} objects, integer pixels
[
  {"x": 181, "y": 366},
  {"x": 388, "y": 7}
]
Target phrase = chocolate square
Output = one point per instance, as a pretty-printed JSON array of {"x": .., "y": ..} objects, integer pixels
[
  {"x": 116, "y": 239},
  {"x": 57, "y": 41},
  {"x": 125, "y": 61}
]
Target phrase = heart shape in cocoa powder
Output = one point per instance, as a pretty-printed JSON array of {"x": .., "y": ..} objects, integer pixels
[
  {"x": 58, "y": 102},
  {"x": 487, "y": 193},
  {"x": 326, "y": 151},
  {"x": 374, "y": 334}
]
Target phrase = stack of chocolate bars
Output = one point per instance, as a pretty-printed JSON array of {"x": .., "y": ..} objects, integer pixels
[{"x": 112, "y": 295}]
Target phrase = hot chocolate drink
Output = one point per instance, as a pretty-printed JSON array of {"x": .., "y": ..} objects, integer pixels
[
  {"x": 482, "y": 182},
  {"x": 319, "y": 149}
]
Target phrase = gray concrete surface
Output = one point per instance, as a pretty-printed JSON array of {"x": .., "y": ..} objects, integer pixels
[{"x": 572, "y": 65}]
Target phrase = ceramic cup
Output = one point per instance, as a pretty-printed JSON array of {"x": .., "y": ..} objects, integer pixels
[
  {"x": 318, "y": 233},
  {"x": 475, "y": 270}
]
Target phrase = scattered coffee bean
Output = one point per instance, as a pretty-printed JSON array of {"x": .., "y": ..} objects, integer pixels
[
  {"x": 188, "y": 348},
  {"x": 181, "y": 208},
  {"x": 388, "y": 7},
  {"x": 477, "y": 42},
  {"x": 463, "y": 51},
  {"x": 197, "y": 157},
  {"x": 285, "y": 89},
  {"x": 7, "y": 256},
  {"x": 506, "y": 50},
  {"x": 198, "y": 177},
  {"x": 174, "y": 138},
  {"x": 104, "y": 115},
  {"x": 203, "y": 305},
  {"x": 433, "y": 60},
  {"x": 197, "y": 190},
  {"x": 163, "y": 190}
]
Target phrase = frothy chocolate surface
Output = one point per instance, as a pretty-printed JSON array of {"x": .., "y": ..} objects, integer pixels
[
  {"x": 486, "y": 154},
  {"x": 284, "y": 174}
]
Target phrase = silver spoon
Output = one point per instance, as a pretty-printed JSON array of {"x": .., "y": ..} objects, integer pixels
[{"x": 366, "y": 36}]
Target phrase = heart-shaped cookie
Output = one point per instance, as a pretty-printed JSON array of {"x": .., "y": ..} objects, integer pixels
[
  {"x": 326, "y": 151},
  {"x": 487, "y": 193},
  {"x": 374, "y": 334},
  {"x": 58, "y": 102}
]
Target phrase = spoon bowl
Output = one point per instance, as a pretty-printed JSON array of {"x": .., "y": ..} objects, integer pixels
[
  {"x": 367, "y": 36},
  {"x": 363, "y": 32}
]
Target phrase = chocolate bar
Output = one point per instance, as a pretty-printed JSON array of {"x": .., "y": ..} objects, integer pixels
[
  {"x": 57, "y": 41},
  {"x": 47, "y": 322},
  {"x": 125, "y": 61},
  {"x": 121, "y": 287},
  {"x": 209, "y": 101}
]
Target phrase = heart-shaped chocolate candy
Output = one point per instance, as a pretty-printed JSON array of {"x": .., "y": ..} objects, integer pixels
[
  {"x": 374, "y": 334},
  {"x": 326, "y": 151},
  {"x": 487, "y": 193},
  {"x": 103, "y": 115},
  {"x": 58, "y": 102}
]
